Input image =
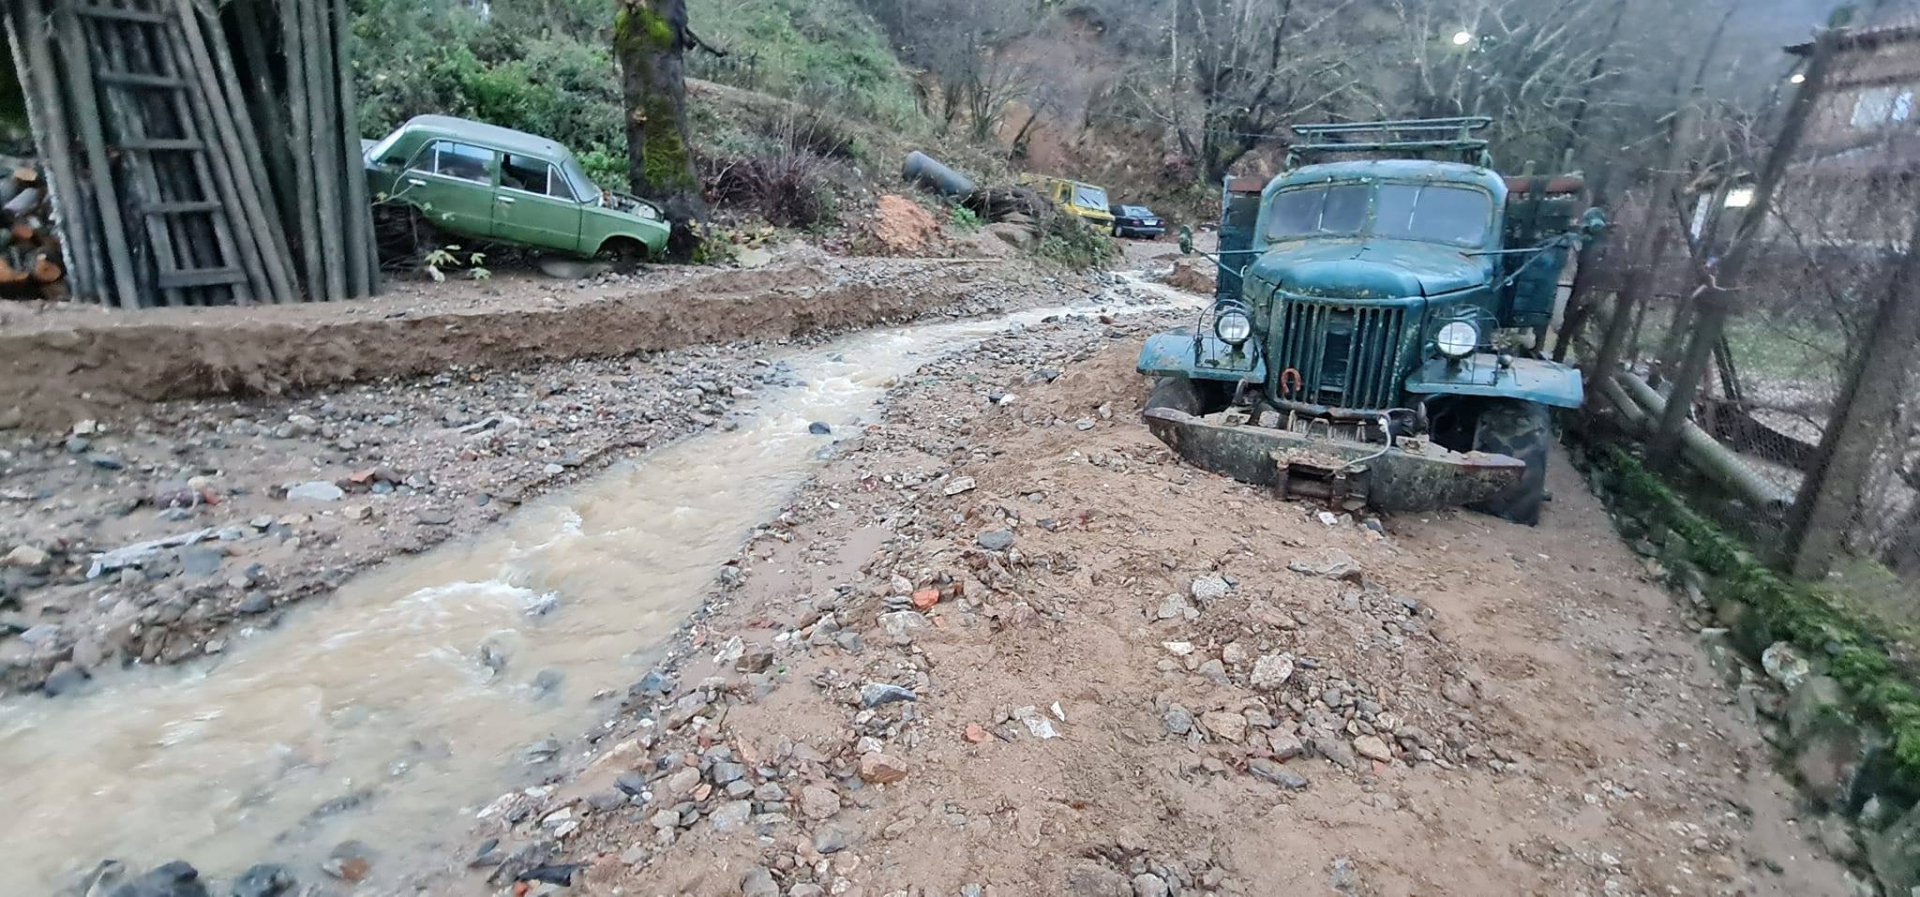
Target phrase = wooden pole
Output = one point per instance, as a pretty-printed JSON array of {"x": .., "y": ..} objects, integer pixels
[
  {"x": 363, "y": 266},
  {"x": 300, "y": 147},
  {"x": 326, "y": 152},
  {"x": 1715, "y": 305},
  {"x": 86, "y": 112},
  {"x": 30, "y": 34},
  {"x": 1656, "y": 231}
]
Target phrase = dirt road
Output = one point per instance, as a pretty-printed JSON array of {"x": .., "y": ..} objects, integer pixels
[
  {"x": 1007, "y": 645},
  {"x": 1000, "y": 643}
]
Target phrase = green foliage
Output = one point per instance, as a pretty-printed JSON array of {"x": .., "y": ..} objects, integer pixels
[
  {"x": 964, "y": 220},
  {"x": 1071, "y": 243},
  {"x": 826, "y": 53},
  {"x": 1794, "y": 612},
  {"x": 436, "y": 56}
]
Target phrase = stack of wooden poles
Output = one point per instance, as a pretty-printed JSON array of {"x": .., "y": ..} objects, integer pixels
[{"x": 198, "y": 152}]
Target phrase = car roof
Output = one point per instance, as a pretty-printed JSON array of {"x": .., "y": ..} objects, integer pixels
[
  {"x": 506, "y": 139},
  {"x": 1397, "y": 169}
]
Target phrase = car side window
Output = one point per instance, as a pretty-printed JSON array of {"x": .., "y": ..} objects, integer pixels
[
  {"x": 456, "y": 160},
  {"x": 534, "y": 176}
]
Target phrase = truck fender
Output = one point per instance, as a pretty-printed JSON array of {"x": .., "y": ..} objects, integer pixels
[
  {"x": 1525, "y": 379},
  {"x": 1172, "y": 354}
]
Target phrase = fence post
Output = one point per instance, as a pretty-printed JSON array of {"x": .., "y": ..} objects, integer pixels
[
  {"x": 1862, "y": 420},
  {"x": 1656, "y": 229},
  {"x": 1715, "y": 304}
]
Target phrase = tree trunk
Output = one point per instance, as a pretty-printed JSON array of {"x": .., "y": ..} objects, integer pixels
[{"x": 650, "y": 42}]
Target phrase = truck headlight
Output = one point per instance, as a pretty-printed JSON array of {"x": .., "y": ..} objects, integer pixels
[
  {"x": 1457, "y": 339},
  {"x": 1233, "y": 327}
]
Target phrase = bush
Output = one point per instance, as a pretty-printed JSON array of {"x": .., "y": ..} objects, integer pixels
[
  {"x": 824, "y": 53},
  {"x": 963, "y": 220},
  {"x": 1070, "y": 242},
  {"x": 787, "y": 189}
]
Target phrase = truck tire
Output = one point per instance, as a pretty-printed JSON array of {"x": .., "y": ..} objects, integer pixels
[
  {"x": 1191, "y": 396},
  {"x": 1518, "y": 430}
]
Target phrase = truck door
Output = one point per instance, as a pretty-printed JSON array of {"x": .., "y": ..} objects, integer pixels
[
  {"x": 535, "y": 206},
  {"x": 451, "y": 184}
]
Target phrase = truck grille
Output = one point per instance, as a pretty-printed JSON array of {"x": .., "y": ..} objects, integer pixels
[{"x": 1348, "y": 356}]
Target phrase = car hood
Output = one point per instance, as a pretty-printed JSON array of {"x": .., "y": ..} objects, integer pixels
[{"x": 1371, "y": 269}]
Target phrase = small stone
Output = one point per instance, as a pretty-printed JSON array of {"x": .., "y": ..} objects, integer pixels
[
  {"x": 902, "y": 623},
  {"x": 976, "y": 734},
  {"x": 683, "y": 780},
  {"x": 26, "y": 557},
  {"x": 348, "y": 862},
  {"x": 1272, "y": 671},
  {"x": 1178, "y": 720},
  {"x": 724, "y": 773},
  {"x": 995, "y": 540},
  {"x": 1175, "y": 607},
  {"x": 1208, "y": 589},
  {"x": 263, "y": 880},
  {"x": 1331, "y": 563},
  {"x": 819, "y": 801},
  {"x": 1337, "y": 752},
  {"x": 759, "y": 882},
  {"x": 1225, "y": 725},
  {"x": 78, "y": 445},
  {"x": 925, "y": 599},
  {"x": 1458, "y": 692},
  {"x": 831, "y": 839},
  {"x": 819, "y": 428},
  {"x": 1284, "y": 747},
  {"x": 880, "y": 694},
  {"x": 433, "y": 516},
  {"x": 958, "y": 485},
  {"x": 1372, "y": 748},
  {"x": 731, "y": 816},
  {"x": 317, "y": 490},
  {"x": 1037, "y": 724},
  {"x": 881, "y": 769},
  {"x": 1147, "y": 884}
]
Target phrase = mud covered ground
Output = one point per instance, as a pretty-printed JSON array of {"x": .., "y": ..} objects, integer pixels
[
  {"x": 1007, "y": 645},
  {"x": 259, "y": 502}
]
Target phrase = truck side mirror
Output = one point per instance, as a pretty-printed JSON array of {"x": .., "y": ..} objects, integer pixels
[{"x": 1186, "y": 240}]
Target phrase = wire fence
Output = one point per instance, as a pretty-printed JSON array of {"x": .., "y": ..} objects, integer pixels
[{"x": 1803, "y": 433}]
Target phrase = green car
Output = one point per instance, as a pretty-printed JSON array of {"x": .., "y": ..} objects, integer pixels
[{"x": 492, "y": 183}]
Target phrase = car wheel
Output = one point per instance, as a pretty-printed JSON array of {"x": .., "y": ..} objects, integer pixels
[
  {"x": 1518, "y": 430},
  {"x": 625, "y": 253}
]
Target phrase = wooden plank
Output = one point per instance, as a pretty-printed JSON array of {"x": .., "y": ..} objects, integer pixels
[
  {"x": 201, "y": 277},
  {"x": 164, "y": 144},
  {"x": 121, "y": 40},
  {"x": 121, "y": 15},
  {"x": 272, "y": 236},
  {"x": 180, "y": 207},
  {"x": 137, "y": 79},
  {"x": 86, "y": 112}
]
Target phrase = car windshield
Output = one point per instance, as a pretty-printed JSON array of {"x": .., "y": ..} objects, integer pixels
[
  {"x": 583, "y": 187},
  {"x": 1135, "y": 212},
  {"x": 1089, "y": 197},
  {"x": 1430, "y": 212}
]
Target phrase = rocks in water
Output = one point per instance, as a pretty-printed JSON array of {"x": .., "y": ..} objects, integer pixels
[
  {"x": 995, "y": 540},
  {"x": 1270, "y": 771},
  {"x": 350, "y": 861},
  {"x": 820, "y": 428},
  {"x": 65, "y": 679},
  {"x": 26, "y": 557},
  {"x": 1272, "y": 671},
  {"x": 264, "y": 880},
  {"x": 317, "y": 490},
  {"x": 880, "y": 694},
  {"x": 175, "y": 879}
]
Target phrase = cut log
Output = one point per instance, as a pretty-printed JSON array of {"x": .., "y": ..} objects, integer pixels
[{"x": 42, "y": 269}]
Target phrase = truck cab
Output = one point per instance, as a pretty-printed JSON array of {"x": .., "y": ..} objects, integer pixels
[
  {"x": 1378, "y": 301},
  {"x": 1084, "y": 201}
]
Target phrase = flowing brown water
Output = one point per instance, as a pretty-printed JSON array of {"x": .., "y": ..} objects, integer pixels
[{"x": 369, "y": 716}]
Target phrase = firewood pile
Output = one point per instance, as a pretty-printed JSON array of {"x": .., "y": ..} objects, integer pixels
[
  {"x": 1018, "y": 205},
  {"x": 30, "y": 263},
  {"x": 195, "y": 153}
]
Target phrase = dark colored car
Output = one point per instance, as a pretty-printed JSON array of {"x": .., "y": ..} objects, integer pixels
[{"x": 1137, "y": 221}]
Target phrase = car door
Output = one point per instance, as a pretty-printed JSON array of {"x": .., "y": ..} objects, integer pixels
[
  {"x": 534, "y": 206},
  {"x": 451, "y": 183}
]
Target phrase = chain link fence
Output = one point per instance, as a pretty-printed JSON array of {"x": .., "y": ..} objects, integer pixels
[{"x": 1774, "y": 445}]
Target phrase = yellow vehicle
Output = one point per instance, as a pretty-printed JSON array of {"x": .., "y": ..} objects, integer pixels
[{"x": 1074, "y": 198}]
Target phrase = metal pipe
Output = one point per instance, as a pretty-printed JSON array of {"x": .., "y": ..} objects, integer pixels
[
  {"x": 921, "y": 169},
  {"x": 1642, "y": 406}
]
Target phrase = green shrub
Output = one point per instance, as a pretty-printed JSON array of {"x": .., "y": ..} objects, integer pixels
[
  {"x": 825, "y": 53},
  {"x": 964, "y": 220},
  {"x": 1072, "y": 243}
]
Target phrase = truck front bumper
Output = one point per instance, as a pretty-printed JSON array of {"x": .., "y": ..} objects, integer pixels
[{"x": 1411, "y": 477}]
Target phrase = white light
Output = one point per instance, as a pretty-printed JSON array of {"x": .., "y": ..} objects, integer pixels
[
  {"x": 1233, "y": 327},
  {"x": 1457, "y": 340},
  {"x": 1462, "y": 38},
  {"x": 1739, "y": 197},
  {"x": 1798, "y": 78}
]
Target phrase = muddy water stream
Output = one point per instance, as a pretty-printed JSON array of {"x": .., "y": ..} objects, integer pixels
[{"x": 370, "y": 716}]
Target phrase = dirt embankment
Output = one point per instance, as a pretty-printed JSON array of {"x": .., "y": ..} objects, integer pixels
[
  {"x": 62, "y": 366},
  {"x": 1007, "y": 645}
]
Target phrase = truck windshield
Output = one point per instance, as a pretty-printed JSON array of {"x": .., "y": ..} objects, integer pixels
[
  {"x": 1089, "y": 197},
  {"x": 1430, "y": 212}
]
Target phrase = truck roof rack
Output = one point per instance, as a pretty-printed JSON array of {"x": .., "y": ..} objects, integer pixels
[{"x": 1413, "y": 137}]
